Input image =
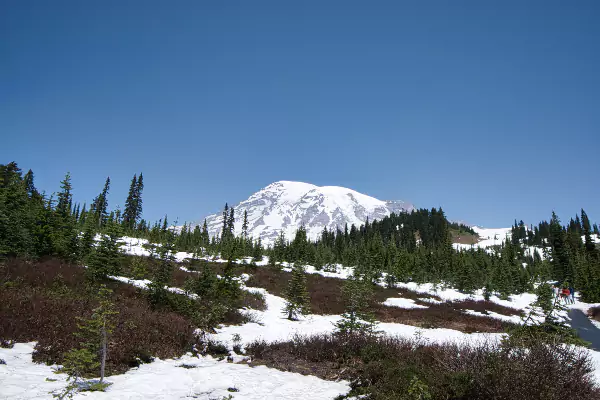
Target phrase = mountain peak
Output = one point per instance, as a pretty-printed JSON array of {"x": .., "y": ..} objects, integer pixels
[{"x": 287, "y": 205}]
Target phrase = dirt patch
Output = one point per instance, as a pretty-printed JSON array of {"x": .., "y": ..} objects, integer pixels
[{"x": 464, "y": 238}]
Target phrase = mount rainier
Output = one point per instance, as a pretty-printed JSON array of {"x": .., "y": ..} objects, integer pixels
[{"x": 285, "y": 206}]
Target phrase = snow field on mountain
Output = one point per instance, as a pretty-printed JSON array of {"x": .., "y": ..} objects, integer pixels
[{"x": 284, "y": 206}]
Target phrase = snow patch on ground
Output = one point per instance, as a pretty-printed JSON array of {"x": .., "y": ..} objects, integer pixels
[
  {"x": 515, "y": 319},
  {"x": 205, "y": 378},
  {"x": 274, "y": 326},
  {"x": 402, "y": 303},
  {"x": 519, "y": 302},
  {"x": 430, "y": 300}
]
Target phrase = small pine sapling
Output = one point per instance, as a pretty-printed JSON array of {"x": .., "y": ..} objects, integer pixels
[
  {"x": 93, "y": 349},
  {"x": 357, "y": 319},
  {"x": 297, "y": 300}
]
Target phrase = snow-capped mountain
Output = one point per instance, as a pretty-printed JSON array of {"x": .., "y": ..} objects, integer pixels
[{"x": 285, "y": 206}]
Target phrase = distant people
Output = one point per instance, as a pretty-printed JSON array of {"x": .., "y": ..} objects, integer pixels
[
  {"x": 556, "y": 291},
  {"x": 565, "y": 294},
  {"x": 572, "y": 290}
]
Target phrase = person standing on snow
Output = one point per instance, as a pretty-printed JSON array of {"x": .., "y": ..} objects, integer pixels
[
  {"x": 572, "y": 294},
  {"x": 565, "y": 294}
]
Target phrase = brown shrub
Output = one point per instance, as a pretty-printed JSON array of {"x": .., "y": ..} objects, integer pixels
[
  {"x": 385, "y": 368},
  {"x": 41, "y": 302},
  {"x": 594, "y": 312},
  {"x": 382, "y": 294},
  {"x": 326, "y": 299},
  {"x": 484, "y": 306},
  {"x": 254, "y": 300}
]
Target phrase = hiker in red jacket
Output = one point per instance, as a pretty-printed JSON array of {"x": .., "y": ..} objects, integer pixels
[{"x": 566, "y": 293}]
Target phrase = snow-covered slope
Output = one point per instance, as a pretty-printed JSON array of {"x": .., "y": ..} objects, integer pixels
[{"x": 285, "y": 206}]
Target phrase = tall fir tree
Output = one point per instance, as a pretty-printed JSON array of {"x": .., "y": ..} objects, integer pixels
[
  {"x": 245, "y": 225},
  {"x": 560, "y": 256},
  {"x": 231, "y": 223},
  {"x": 14, "y": 233},
  {"x": 130, "y": 211},
  {"x": 138, "y": 198},
  {"x": 65, "y": 197},
  {"x": 225, "y": 218},
  {"x": 100, "y": 205},
  {"x": 205, "y": 241},
  {"x": 590, "y": 246},
  {"x": 65, "y": 235}
]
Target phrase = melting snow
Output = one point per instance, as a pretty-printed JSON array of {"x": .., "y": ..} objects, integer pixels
[
  {"x": 207, "y": 379},
  {"x": 402, "y": 303}
]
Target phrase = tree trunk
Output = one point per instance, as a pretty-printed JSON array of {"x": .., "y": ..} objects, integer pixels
[{"x": 103, "y": 355}]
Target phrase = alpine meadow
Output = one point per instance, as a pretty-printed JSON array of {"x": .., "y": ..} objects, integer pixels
[{"x": 289, "y": 201}]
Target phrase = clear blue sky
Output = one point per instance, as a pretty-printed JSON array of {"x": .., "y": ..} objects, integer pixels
[{"x": 490, "y": 109}]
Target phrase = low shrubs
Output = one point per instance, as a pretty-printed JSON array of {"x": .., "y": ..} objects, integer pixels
[
  {"x": 594, "y": 312},
  {"x": 394, "y": 368},
  {"x": 45, "y": 298}
]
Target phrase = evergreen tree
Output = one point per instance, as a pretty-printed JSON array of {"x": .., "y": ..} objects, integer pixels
[
  {"x": 225, "y": 224},
  {"x": 65, "y": 197},
  {"x": 29, "y": 185},
  {"x": 87, "y": 240},
  {"x": 65, "y": 234},
  {"x": 245, "y": 225},
  {"x": 278, "y": 253},
  {"x": 205, "y": 237},
  {"x": 257, "y": 254},
  {"x": 560, "y": 256},
  {"x": 105, "y": 260},
  {"x": 158, "y": 293},
  {"x": 590, "y": 247},
  {"x": 231, "y": 223},
  {"x": 100, "y": 205},
  {"x": 297, "y": 301},
  {"x": 130, "y": 212},
  {"x": 93, "y": 350},
  {"x": 138, "y": 198},
  {"x": 357, "y": 319},
  {"x": 229, "y": 287},
  {"x": 165, "y": 225},
  {"x": 14, "y": 233},
  {"x": 205, "y": 285}
]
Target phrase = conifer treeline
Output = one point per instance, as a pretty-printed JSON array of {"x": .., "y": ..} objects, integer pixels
[
  {"x": 413, "y": 246},
  {"x": 34, "y": 225},
  {"x": 418, "y": 247},
  {"x": 575, "y": 258}
]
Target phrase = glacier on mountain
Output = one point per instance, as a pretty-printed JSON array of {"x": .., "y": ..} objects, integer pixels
[{"x": 284, "y": 206}]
